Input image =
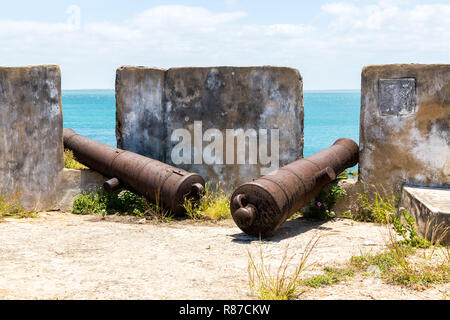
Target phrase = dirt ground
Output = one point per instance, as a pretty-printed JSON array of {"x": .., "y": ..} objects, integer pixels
[{"x": 65, "y": 256}]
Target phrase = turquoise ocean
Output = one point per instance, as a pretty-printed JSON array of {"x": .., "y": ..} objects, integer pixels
[{"x": 329, "y": 115}]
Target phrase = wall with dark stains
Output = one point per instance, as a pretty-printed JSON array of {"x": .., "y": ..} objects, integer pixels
[
  {"x": 139, "y": 111},
  {"x": 153, "y": 103},
  {"x": 405, "y": 125},
  {"x": 31, "y": 147}
]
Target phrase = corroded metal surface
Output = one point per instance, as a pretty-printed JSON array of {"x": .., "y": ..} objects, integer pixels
[
  {"x": 260, "y": 207},
  {"x": 112, "y": 185},
  {"x": 163, "y": 184}
]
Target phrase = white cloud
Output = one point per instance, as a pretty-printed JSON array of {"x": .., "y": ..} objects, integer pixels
[
  {"x": 383, "y": 17},
  {"x": 231, "y": 3},
  {"x": 389, "y": 28},
  {"x": 111, "y": 32},
  {"x": 174, "y": 17},
  {"x": 167, "y": 36},
  {"x": 10, "y": 28}
]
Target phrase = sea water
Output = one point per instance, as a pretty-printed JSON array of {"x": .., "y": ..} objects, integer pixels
[{"x": 329, "y": 115}]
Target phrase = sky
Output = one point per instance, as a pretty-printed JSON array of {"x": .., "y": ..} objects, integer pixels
[{"x": 327, "y": 41}]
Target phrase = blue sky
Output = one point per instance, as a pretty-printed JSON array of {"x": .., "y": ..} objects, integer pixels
[{"x": 328, "y": 41}]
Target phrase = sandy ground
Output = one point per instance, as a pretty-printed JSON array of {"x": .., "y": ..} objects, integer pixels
[{"x": 64, "y": 256}]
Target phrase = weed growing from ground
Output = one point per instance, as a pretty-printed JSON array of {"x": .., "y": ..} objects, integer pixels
[
  {"x": 347, "y": 214},
  {"x": 406, "y": 262},
  {"x": 121, "y": 202},
  {"x": 403, "y": 263},
  {"x": 322, "y": 207},
  {"x": 375, "y": 207},
  {"x": 213, "y": 205},
  {"x": 282, "y": 284},
  {"x": 87, "y": 203},
  {"x": 10, "y": 206},
  {"x": 70, "y": 162},
  {"x": 383, "y": 209},
  {"x": 400, "y": 263},
  {"x": 407, "y": 230},
  {"x": 329, "y": 277},
  {"x": 129, "y": 202}
]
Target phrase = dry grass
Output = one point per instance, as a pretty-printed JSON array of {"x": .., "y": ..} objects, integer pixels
[
  {"x": 400, "y": 264},
  {"x": 70, "y": 162},
  {"x": 214, "y": 205},
  {"x": 10, "y": 206},
  {"x": 406, "y": 265},
  {"x": 409, "y": 260},
  {"x": 375, "y": 205},
  {"x": 284, "y": 283}
]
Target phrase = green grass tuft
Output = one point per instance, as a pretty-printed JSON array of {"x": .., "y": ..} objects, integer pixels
[
  {"x": 329, "y": 277},
  {"x": 214, "y": 205},
  {"x": 122, "y": 202},
  {"x": 10, "y": 206},
  {"x": 375, "y": 207},
  {"x": 401, "y": 264},
  {"x": 70, "y": 162},
  {"x": 322, "y": 206}
]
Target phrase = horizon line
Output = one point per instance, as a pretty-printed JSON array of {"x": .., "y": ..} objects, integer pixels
[{"x": 306, "y": 90}]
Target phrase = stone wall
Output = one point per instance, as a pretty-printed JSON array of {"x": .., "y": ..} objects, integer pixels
[
  {"x": 31, "y": 146},
  {"x": 214, "y": 107},
  {"x": 405, "y": 126},
  {"x": 140, "y": 112},
  {"x": 430, "y": 208},
  {"x": 72, "y": 183}
]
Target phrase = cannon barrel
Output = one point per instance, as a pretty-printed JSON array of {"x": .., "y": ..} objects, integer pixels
[
  {"x": 260, "y": 207},
  {"x": 161, "y": 183}
]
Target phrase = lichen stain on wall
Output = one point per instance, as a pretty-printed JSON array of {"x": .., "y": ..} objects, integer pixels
[
  {"x": 221, "y": 98},
  {"x": 413, "y": 148},
  {"x": 31, "y": 148}
]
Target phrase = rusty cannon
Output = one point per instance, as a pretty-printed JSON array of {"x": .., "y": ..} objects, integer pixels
[
  {"x": 260, "y": 207},
  {"x": 160, "y": 183}
]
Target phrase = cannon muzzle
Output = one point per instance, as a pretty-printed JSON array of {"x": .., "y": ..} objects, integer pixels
[
  {"x": 160, "y": 183},
  {"x": 260, "y": 207}
]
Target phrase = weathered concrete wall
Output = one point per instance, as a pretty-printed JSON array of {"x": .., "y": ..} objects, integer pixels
[
  {"x": 72, "y": 183},
  {"x": 31, "y": 147},
  {"x": 152, "y": 105},
  {"x": 350, "y": 202},
  {"x": 139, "y": 111},
  {"x": 405, "y": 125},
  {"x": 430, "y": 208}
]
